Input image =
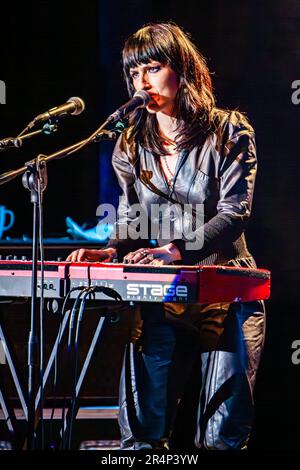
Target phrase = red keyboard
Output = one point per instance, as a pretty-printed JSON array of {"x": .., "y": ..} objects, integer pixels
[{"x": 141, "y": 283}]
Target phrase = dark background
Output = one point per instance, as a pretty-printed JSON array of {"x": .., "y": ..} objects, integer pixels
[{"x": 51, "y": 51}]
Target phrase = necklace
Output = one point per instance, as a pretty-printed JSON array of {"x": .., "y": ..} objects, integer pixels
[{"x": 170, "y": 179}]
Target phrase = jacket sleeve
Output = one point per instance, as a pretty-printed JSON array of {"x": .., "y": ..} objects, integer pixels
[
  {"x": 124, "y": 236},
  {"x": 236, "y": 175}
]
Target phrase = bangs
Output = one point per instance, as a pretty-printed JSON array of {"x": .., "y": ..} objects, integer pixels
[{"x": 143, "y": 48}]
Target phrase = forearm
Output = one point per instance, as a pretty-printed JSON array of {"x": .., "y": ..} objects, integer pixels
[{"x": 219, "y": 231}]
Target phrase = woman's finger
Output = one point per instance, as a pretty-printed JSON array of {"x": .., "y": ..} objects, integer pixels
[
  {"x": 72, "y": 257},
  {"x": 136, "y": 256},
  {"x": 157, "y": 262},
  {"x": 82, "y": 255}
]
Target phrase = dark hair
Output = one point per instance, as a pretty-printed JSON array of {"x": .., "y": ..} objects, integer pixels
[{"x": 194, "y": 104}]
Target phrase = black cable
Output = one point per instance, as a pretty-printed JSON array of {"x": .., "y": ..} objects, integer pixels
[
  {"x": 109, "y": 292},
  {"x": 72, "y": 316},
  {"x": 80, "y": 314},
  {"x": 71, "y": 326},
  {"x": 55, "y": 377},
  {"x": 71, "y": 322},
  {"x": 88, "y": 292},
  {"x": 85, "y": 293}
]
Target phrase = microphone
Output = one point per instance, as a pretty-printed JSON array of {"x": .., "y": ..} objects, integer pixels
[
  {"x": 73, "y": 106},
  {"x": 139, "y": 100}
]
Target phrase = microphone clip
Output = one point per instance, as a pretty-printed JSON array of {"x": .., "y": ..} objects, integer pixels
[{"x": 10, "y": 142}]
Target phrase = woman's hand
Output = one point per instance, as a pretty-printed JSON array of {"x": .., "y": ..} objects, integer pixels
[
  {"x": 106, "y": 255},
  {"x": 166, "y": 254}
]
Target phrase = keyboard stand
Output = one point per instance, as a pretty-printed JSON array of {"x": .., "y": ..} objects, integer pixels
[{"x": 8, "y": 411}]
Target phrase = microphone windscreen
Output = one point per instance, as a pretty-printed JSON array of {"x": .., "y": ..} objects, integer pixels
[{"x": 79, "y": 105}]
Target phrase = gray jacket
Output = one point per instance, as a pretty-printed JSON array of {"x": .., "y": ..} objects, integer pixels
[{"x": 218, "y": 175}]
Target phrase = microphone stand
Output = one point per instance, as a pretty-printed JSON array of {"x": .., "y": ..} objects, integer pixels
[
  {"x": 101, "y": 135},
  {"x": 35, "y": 180},
  {"x": 17, "y": 142}
]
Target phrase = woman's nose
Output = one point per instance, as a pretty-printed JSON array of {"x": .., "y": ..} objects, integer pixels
[{"x": 144, "y": 82}]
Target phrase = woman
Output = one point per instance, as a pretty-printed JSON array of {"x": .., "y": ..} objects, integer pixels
[{"x": 181, "y": 150}]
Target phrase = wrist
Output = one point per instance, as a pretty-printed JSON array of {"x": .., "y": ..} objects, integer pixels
[
  {"x": 173, "y": 252},
  {"x": 111, "y": 252}
]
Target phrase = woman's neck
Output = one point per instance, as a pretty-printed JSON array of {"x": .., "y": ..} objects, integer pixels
[{"x": 167, "y": 126}]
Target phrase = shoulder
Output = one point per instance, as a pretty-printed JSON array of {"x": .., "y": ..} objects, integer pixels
[
  {"x": 230, "y": 127},
  {"x": 229, "y": 124}
]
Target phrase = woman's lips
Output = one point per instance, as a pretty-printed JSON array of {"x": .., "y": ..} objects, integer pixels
[{"x": 154, "y": 98}]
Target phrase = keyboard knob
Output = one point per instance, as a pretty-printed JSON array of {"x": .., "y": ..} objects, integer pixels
[
  {"x": 15, "y": 257},
  {"x": 24, "y": 258},
  {"x": 9, "y": 257},
  {"x": 59, "y": 259}
]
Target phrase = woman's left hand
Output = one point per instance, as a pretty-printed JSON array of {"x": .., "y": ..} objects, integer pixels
[{"x": 166, "y": 254}]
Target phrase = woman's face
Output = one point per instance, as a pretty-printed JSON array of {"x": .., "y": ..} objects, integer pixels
[{"x": 160, "y": 81}]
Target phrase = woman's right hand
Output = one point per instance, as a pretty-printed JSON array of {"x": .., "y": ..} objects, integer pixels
[{"x": 106, "y": 255}]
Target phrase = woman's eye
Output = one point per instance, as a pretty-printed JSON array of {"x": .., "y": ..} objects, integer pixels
[
  {"x": 135, "y": 75},
  {"x": 154, "y": 69}
]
